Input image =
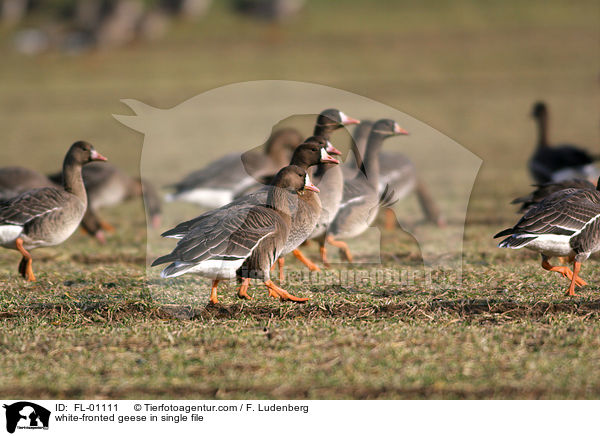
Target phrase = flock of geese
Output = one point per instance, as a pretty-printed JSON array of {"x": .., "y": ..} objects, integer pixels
[{"x": 265, "y": 205}]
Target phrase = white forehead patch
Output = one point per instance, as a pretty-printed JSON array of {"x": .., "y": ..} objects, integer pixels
[
  {"x": 343, "y": 117},
  {"x": 324, "y": 154},
  {"x": 307, "y": 180}
]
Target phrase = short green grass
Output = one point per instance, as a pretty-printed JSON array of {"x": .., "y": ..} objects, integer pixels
[{"x": 95, "y": 325}]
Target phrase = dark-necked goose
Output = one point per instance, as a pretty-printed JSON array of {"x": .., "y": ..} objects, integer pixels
[
  {"x": 398, "y": 173},
  {"x": 47, "y": 216},
  {"x": 243, "y": 241},
  {"x": 361, "y": 198},
  {"x": 219, "y": 182},
  {"x": 314, "y": 151},
  {"x": 106, "y": 186},
  {"x": 16, "y": 180},
  {"x": 328, "y": 177},
  {"x": 543, "y": 190},
  {"x": 561, "y": 162},
  {"x": 564, "y": 224}
]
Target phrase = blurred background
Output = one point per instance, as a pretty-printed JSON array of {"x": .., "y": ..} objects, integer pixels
[{"x": 470, "y": 69}]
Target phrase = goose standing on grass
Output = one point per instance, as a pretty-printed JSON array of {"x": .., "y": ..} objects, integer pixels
[
  {"x": 47, "y": 216},
  {"x": 561, "y": 162},
  {"x": 219, "y": 182},
  {"x": 398, "y": 173},
  {"x": 328, "y": 177},
  {"x": 16, "y": 180},
  {"x": 361, "y": 199},
  {"x": 106, "y": 186},
  {"x": 312, "y": 151},
  {"x": 565, "y": 224},
  {"x": 242, "y": 241}
]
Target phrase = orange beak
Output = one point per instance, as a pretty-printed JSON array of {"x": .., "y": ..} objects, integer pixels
[
  {"x": 308, "y": 185},
  {"x": 399, "y": 130},
  {"x": 312, "y": 187},
  {"x": 348, "y": 120},
  {"x": 97, "y": 156},
  {"x": 326, "y": 157},
  {"x": 331, "y": 149}
]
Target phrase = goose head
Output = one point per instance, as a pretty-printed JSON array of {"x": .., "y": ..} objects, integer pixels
[
  {"x": 83, "y": 152},
  {"x": 313, "y": 151},
  {"x": 539, "y": 110},
  {"x": 295, "y": 179},
  {"x": 386, "y": 128},
  {"x": 334, "y": 119}
]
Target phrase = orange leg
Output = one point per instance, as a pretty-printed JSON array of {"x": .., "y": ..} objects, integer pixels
[
  {"x": 25, "y": 267},
  {"x": 276, "y": 291},
  {"x": 213, "y": 292},
  {"x": 281, "y": 265},
  {"x": 565, "y": 271},
  {"x": 106, "y": 226},
  {"x": 576, "y": 268},
  {"x": 305, "y": 260},
  {"x": 390, "y": 219},
  {"x": 323, "y": 251},
  {"x": 243, "y": 289},
  {"x": 342, "y": 246}
]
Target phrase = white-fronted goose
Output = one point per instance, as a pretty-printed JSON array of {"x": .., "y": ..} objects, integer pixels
[
  {"x": 560, "y": 162},
  {"x": 328, "y": 177},
  {"x": 543, "y": 190},
  {"x": 16, "y": 180},
  {"x": 47, "y": 216},
  {"x": 312, "y": 151},
  {"x": 565, "y": 224},
  {"x": 398, "y": 173},
  {"x": 361, "y": 199},
  {"x": 219, "y": 182},
  {"x": 106, "y": 186},
  {"x": 242, "y": 241}
]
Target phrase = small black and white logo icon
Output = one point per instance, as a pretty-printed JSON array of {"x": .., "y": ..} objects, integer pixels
[{"x": 26, "y": 415}]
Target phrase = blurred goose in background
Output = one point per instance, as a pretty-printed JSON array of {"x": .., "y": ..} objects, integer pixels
[
  {"x": 545, "y": 189},
  {"x": 361, "y": 197},
  {"x": 47, "y": 216},
  {"x": 328, "y": 177},
  {"x": 106, "y": 186},
  {"x": 398, "y": 173},
  {"x": 566, "y": 224},
  {"x": 560, "y": 162},
  {"x": 16, "y": 180},
  {"x": 243, "y": 240},
  {"x": 219, "y": 182}
]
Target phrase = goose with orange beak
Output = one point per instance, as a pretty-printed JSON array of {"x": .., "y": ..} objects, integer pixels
[
  {"x": 361, "y": 200},
  {"x": 47, "y": 216},
  {"x": 242, "y": 240}
]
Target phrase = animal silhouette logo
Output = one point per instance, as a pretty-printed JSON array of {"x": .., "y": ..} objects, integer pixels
[
  {"x": 26, "y": 415},
  {"x": 230, "y": 124}
]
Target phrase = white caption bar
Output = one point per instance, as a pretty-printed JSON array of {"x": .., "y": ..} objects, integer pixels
[{"x": 23, "y": 417}]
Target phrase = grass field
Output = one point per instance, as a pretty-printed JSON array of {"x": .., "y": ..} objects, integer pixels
[{"x": 95, "y": 325}]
